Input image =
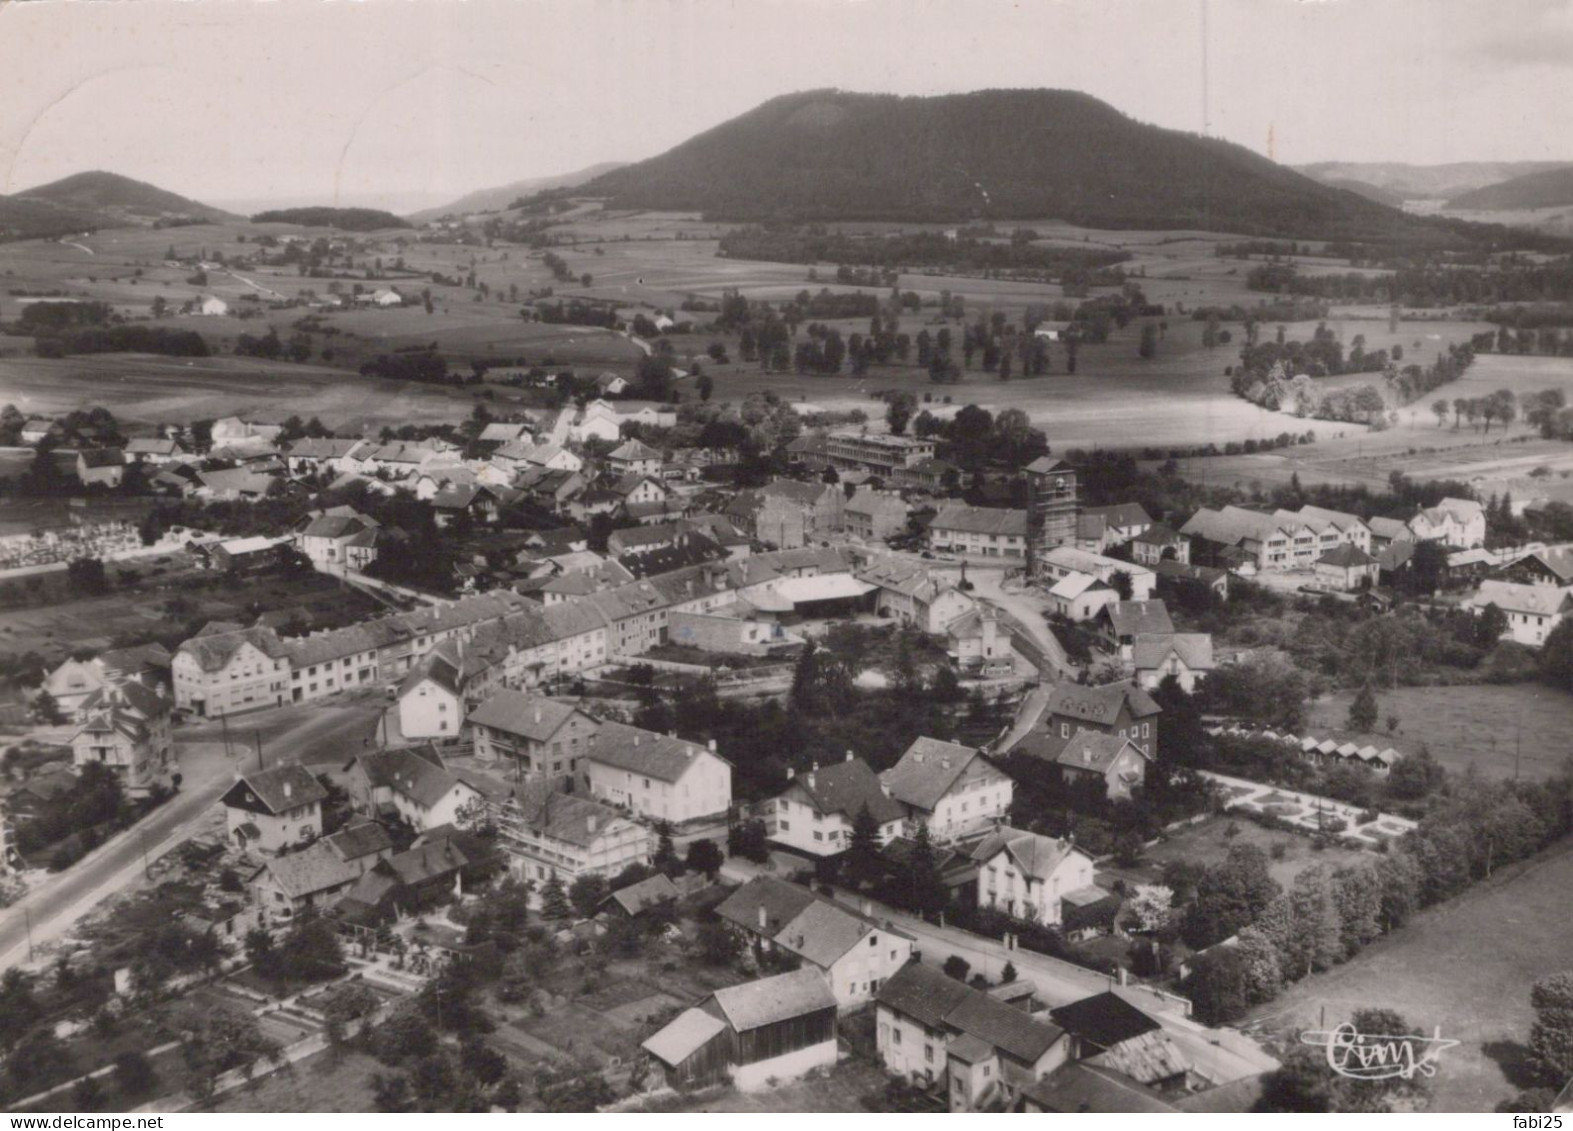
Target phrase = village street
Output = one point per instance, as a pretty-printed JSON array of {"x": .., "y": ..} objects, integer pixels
[{"x": 310, "y": 734}]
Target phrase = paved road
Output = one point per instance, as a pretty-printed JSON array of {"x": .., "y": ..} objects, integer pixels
[
  {"x": 312, "y": 734},
  {"x": 1026, "y": 611}
]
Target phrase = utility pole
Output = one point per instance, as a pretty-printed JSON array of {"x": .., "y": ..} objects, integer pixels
[
  {"x": 28, "y": 914},
  {"x": 258, "y": 736},
  {"x": 147, "y": 868},
  {"x": 224, "y": 722}
]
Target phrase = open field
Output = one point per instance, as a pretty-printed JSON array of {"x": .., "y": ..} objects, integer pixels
[
  {"x": 56, "y": 626},
  {"x": 328, "y": 1081},
  {"x": 141, "y": 389},
  {"x": 1476, "y": 956},
  {"x": 647, "y": 260},
  {"x": 1479, "y": 726},
  {"x": 1495, "y": 461}
]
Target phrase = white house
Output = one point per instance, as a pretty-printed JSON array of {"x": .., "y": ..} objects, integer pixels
[
  {"x": 225, "y": 669},
  {"x": 411, "y": 784},
  {"x": 431, "y": 698},
  {"x": 979, "y": 531},
  {"x": 1188, "y": 656},
  {"x": 951, "y": 789},
  {"x": 856, "y": 954},
  {"x": 909, "y": 592},
  {"x": 103, "y": 466},
  {"x": 657, "y": 776},
  {"x": 1062, "y": 561},
  {"x": 125, "y": 726},
  {"x": 1453, "y": 522},
  {"x": 269, "y": 810},
  {"x": 1532, "y": 610},
  {"x": 1080, "y": 596},
  {"x": 816, "y": 811},
  {"x": 541, "y": 735},
  {"x": 386, "y": 296},
  {"x": 1027, "y": 875},
  {"x": 212, "y": 306}
]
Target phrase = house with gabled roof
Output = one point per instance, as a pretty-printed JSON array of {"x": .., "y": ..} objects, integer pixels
[
  {"x": 270, "y": 810},
  {"x": 431, "y": 696},
  {"x": 816, "y": 810},
  {"x": 154, "y": 449},
  {"x": 125, "y": 727},
  {"x": 1080, "y": 596},
  {"x": 1188, "y": 656},
  {"x": 1062, "y": 561},
  {"x": 634, "y": 457},
  {"x": 936, "y": 1032},
  {"x": 320, "y": 874},
  {"x": 753, "y": 1035},
  {"x": 1453, "y": 522},
  {"x": 979, "y": 531},
  {"x": 1161, "y": 542},
  {"x": 548, "y": 827},
  {"x": 1099, "y": 528},
  {"x": 856, "y": 953},
  {"x": 1345, "y": 568},
  {"x": 1532, "y": 611},
  {"x": 531, "y": 733},
  {"x": 102, "y": 466},
  {"x": 633, "y": 900},
  {"x": 1120, "y": 622},
  {"x": 659, "y": 777},
  {"x": 950, "y": 789},
  {"x": 874, "y": 516},
  {"x": 1028, "y": 875},
  {"x": 327, "y": 538},
  {"x": 1113, "y": 760},
  {"x": 910, "y": 592},
  {"x": 225, "y": 669},
  {"x": 1115, "y": 708},
  {"x": 412, "y": 784}
]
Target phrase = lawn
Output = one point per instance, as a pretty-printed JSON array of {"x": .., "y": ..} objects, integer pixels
[
  {"x": 837, "y": 1089},
  {"x": 1465, "y": 967},
  {"x": 1207, "y": 843},
  {"x": 324, "y": 1082},
  {"x": 1494, "y": 728}
]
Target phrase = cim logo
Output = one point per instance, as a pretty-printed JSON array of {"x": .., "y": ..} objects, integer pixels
[{"x": 1374, "y": 1056}]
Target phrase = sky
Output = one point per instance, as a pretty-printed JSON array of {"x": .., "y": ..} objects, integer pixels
[{"x": 415, "y": 102}]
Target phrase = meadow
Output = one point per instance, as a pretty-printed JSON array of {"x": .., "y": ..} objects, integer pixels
[
  {"x": 1496, "y": 730},
  {"x": 1480, "y": 954},
  {"x": 645, "y": 261}
]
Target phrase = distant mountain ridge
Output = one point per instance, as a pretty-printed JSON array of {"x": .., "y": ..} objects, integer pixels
[
  {"x": 1425, "y": 182},
  {"x": 1550, "y": 188},
  {"x": 499, "y": 198},
  {"x": 111, "y": 193},
  {"x": 89, "y": 201},
  {"x": 830, "y": 155}
]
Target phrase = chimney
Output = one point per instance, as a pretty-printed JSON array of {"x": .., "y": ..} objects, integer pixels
[
  {"x": 814, "y": 764},
  {"x": 791, "y": 773},
  {"x": 712, "y": 745},
  {"x": 289, "y": 790},
  {"x": 764, "y": 918},
  {"x": 811, "y": 779},
  {"x": 918, "y": 757},
  {"x": 636, "y": 738},
  {"x": 849, "y": 755},
  {"x": 537, "y": 714},
  {"x": 589, "y": 823}
]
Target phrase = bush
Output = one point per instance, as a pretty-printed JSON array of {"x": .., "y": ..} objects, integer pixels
[
  {"x": 1279, "y": 850},
  {"x": 956, "y": 967}
]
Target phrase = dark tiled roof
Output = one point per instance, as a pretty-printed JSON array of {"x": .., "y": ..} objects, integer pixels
[
  {"x": 1101, "y": 704},
  {"x": 1104, "y": 1019},
  {"x": 769, "y": 1000},
  {"x": 845, "y": 787},
  {"x": 1079, "y": 1087},
  {"x": 517, "y": 712},
  {"x": 283, "y": 787},
  {"x": 927, "y": 771}
]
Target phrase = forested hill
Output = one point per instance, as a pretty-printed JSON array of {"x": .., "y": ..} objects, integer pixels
[
  {"x": 1550, "y": 189},
  {"x": 116, "y": 195},
  {"x": 345, "y": 219},
  {"x": 999, "y": 154}
]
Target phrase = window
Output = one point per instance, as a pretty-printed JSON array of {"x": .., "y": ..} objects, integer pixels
[
  {"x": 928, "y": 1053},
  {"x": 819, "y": 836},
  {"x": 785, "y": 825},
  {"x": 895, "y": 1030}
]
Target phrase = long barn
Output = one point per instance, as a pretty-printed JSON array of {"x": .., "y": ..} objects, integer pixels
[{"x": 775, "y": 1028}]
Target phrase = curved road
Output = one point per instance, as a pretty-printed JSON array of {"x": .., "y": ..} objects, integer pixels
[{"x": 309, "y": 733}]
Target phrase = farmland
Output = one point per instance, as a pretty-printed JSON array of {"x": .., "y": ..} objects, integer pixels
[
  {"x": 1486, "y": 727},
  {"x": 1464, "y": 966},
  {"x": 648, "y": 260}
]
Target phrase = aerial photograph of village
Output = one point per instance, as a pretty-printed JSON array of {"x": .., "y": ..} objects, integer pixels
[{"x": 896, "y": 556}]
